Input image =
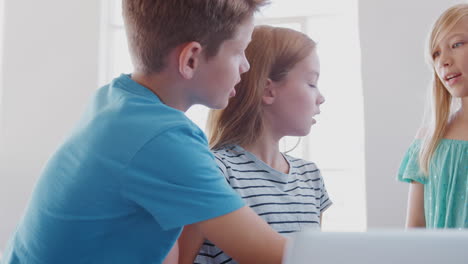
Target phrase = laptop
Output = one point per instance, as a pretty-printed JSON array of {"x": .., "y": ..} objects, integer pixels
[{"x": 378, "y": 247}]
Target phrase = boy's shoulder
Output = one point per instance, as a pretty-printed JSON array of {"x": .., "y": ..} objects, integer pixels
[
  {"x": 132, "y": 104},
  {"x": 124, "y": 116}
]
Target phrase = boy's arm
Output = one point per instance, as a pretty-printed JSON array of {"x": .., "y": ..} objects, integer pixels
[
  {"x": 173, "y": 256},
  {"x": 244, "y": 236},
  {"x": 189, "y": 242},
  {"x": 415, "y": 214},
  {"x": 191, "y": 190}
]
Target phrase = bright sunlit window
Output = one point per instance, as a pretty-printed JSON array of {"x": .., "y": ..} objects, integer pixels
[{"x": 336, "y": 142}]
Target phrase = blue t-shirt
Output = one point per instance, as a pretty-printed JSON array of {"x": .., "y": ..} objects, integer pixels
[{"x": 121, "y": 187}]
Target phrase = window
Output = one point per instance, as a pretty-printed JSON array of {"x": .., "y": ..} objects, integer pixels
[{"x": 336, "y": 142}]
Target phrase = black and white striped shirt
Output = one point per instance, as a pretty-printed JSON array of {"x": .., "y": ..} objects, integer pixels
[{"x": 288, "y": 202}]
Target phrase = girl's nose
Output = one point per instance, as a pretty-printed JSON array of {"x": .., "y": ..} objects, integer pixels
[
  {"x": 321, "y": 99},
  {"x": 445, "y": 60}
]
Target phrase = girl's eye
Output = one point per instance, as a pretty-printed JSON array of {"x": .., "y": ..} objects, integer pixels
[
  {"x": 313, "y": 85},
  {"x": 458, "y": 44},
  {"x": 435, "y": 54}
]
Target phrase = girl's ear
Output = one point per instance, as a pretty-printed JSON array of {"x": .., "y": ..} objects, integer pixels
[
  {"x": 269, "y": 92},
  {"x": 189, "y": 59}
]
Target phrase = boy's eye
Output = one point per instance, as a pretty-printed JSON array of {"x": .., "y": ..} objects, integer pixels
[{"x": 458, "y": 44}]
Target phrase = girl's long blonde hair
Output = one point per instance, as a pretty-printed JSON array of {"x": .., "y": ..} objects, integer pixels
[
  {"x": 442, "y": 101},
  {"x": 272, "y": 53}
]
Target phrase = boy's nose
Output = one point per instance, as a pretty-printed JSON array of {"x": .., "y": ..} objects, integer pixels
[{"x": 245, "y": 66}]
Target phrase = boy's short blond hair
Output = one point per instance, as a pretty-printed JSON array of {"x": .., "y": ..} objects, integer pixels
[{"x": 155, "y": 27}]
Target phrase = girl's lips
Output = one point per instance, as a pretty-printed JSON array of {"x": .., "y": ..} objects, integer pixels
[
  {"x": 453, "y": 80},
  {"x": 451, "y": 75}
]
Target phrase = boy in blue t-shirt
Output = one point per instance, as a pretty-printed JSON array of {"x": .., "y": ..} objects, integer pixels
[{"x": 135, "y": 170}]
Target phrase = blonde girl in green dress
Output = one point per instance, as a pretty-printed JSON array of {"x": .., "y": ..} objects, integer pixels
[{"x": 436, "y": 164}]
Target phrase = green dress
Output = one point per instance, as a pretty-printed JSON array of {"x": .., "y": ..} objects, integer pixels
[{"x": 446, "y": 186}]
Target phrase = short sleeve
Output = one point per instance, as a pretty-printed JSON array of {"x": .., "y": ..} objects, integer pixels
[
  {"x": 222, "y": 167},
  {"x": 175, "y": 178},
  {"x": 325, "y": 201},
  {"x": 409, "y": 169}
]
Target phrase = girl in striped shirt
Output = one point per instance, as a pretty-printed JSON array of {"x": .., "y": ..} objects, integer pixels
[{"x": 278, "y": 97}]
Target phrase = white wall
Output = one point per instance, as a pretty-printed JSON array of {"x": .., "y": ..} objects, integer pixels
[
  {"x": 50, "y": 53},
  {"x": 2, "y": 9},
  {"x": 395, "y": 79}
]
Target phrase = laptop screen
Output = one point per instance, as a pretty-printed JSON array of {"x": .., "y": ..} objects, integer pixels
[{"x": 378, "y": 247}]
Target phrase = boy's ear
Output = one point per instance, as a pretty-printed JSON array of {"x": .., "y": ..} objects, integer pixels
[
  {"x": 189, "y": 58},
  {"x": 269, "y": 92}
]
